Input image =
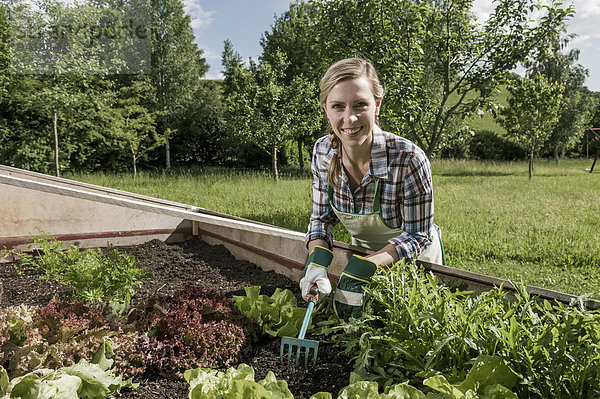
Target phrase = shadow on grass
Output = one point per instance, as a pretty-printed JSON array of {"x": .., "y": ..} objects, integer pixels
[{"x": 482, "y": 173}]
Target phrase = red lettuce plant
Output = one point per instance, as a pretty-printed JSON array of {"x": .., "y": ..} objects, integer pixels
[
  {"x": 192, "y": 328},
  {"x": 195, "y": 328},
  {"x": 60, "y": 321}
]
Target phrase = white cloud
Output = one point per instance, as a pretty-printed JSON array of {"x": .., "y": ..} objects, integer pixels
[
  {"x": 586, "y": 9},
  {"x": 200, "y": 19},
  {"x": 482, "y": 9},
  {"x": 585, "y": 22}
]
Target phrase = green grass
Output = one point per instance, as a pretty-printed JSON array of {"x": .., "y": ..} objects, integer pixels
[
  {"x": 486, "y": 121},
  {"x": 544, "y": 232}
]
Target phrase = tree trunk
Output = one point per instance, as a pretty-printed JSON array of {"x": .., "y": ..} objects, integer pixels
[
  {"x": 134, "y": 159},
  {"x": 167, "y": 155},
  {"x": 274, "y": 162},
  {"x": 300, "y": 157},
  {"x": 556, "y": 153},
  {"x": 531, "y": 162},
  {"x": 55, "y": 127}
]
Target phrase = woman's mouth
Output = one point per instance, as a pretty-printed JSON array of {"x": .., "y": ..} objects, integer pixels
[{"x": 352, "y": 131}]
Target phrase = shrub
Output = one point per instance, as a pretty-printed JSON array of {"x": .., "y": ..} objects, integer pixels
[{"x": 488, "y": 145}]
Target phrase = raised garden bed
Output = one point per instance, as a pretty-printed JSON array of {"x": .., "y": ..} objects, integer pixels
[{"x": 173, "y": 267}]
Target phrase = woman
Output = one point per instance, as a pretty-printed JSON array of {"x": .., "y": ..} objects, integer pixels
[{"x": 376, "y": 183}]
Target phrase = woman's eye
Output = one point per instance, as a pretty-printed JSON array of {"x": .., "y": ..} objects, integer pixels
[
  {"x": 361, "y": 105},
  {"x": 337, "y": 106}
]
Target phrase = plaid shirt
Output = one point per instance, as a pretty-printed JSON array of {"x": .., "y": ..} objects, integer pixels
[{"x": 406, "y": 194}]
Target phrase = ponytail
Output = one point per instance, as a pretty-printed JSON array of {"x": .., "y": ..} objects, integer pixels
[{"x": 334, "y": 172}]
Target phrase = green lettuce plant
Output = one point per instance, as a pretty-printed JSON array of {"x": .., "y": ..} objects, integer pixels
[
  {"x": 92, "y": 380},
  {"x": 489, "y": 378},
  {"x": 278, "y": 315},
  {"x": 235, "y": 383}
]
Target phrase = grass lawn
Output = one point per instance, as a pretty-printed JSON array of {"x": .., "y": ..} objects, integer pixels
[{"x": 494, "y": 220}]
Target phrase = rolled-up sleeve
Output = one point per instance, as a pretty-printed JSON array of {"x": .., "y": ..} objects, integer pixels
[
  {"x": 417, "y": 208},
  {"x": 322, "y": 218}
]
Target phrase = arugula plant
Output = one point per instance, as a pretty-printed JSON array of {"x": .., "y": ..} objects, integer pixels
[{"x": 414, "y": 328}]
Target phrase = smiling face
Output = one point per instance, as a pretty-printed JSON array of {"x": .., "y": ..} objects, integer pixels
[{"x": 351, "y": 109}]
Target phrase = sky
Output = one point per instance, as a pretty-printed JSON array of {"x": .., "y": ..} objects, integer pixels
[{"x": 244, "y": 22}]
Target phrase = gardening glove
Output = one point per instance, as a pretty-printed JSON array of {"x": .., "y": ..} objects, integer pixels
[
  {"x": 315, "y": 272},
  {"x": 348, "y": 298}
]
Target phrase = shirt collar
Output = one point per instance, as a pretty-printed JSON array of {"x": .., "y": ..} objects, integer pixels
[{"x": 379, "y": 162}]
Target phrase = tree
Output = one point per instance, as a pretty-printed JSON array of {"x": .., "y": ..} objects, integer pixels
[
  {"x": 137, "y": 124},
  {"x": 303, "y": 110},
  {"x": 295, "y": 33},
  {"x": 577, "y": 104},
  {"x": 177, "y": 65},
  {"x": 200, "y": 126},
  {"x": 437, "y": 63},
  {"x": 255, "y": 100},
  {"x": 4, "y": 49},
  {"x": 67, "y": 49},
  {"x": 532, "y": 111}
]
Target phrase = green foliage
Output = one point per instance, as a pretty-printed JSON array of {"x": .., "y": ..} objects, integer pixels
[
  {"x": 258, "y": 104},
  {"x": 278, "y": 315},
  {"x": 109, "y": 278},
  {"x": 484, "y": 381},
  {"x": 91, "y": 380},
  {"x": 177, "y": 65},
  {"x": 234, "y": 383},
  {"x": 438, "y": 65},
  {"x": 532, "y": 112},
  {"x": 578, "y": 104},
  {"x": 136, "y": 130},
  {"x": 414, "y": 328},
  {"x": 489, "y": 145}
]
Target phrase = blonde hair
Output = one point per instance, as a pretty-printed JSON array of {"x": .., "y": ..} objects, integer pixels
[{"x": 349, "y": 68}]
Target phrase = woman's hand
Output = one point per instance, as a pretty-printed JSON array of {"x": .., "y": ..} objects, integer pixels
[{"x": 386, "y": 256}]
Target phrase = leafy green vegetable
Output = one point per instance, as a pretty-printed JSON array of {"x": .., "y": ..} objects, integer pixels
[
  {"x": 235, "y": 383},
  {"x": 95, "y": 380},
  {"x": 109, "y": 278},
  {"x": 278, "y": 315},
  {"x": 413, "y": 328}
]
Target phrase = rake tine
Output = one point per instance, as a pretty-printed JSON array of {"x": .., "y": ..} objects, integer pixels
[
  {"x": 298, "y": 355},
  {"x": 300, "y": 343}
]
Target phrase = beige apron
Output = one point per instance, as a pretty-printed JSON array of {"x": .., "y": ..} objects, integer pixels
[{"x": 371, "y": 232}]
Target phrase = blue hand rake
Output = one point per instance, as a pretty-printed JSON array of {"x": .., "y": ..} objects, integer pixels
[{"x": 300, "y": 343}]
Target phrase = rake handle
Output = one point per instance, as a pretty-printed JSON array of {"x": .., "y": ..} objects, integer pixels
[{"x": 313, "y": 297}]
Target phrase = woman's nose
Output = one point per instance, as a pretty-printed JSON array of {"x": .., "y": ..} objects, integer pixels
[{"x": 351, "y": 116}]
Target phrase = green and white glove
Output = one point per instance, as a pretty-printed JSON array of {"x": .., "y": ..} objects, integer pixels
[
  {"x": 348, "y": 298},
  {"x": 315, "y": 272}
]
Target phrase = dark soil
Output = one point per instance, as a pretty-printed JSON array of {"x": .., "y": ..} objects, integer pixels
[{"x": 173, "y": 267}]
